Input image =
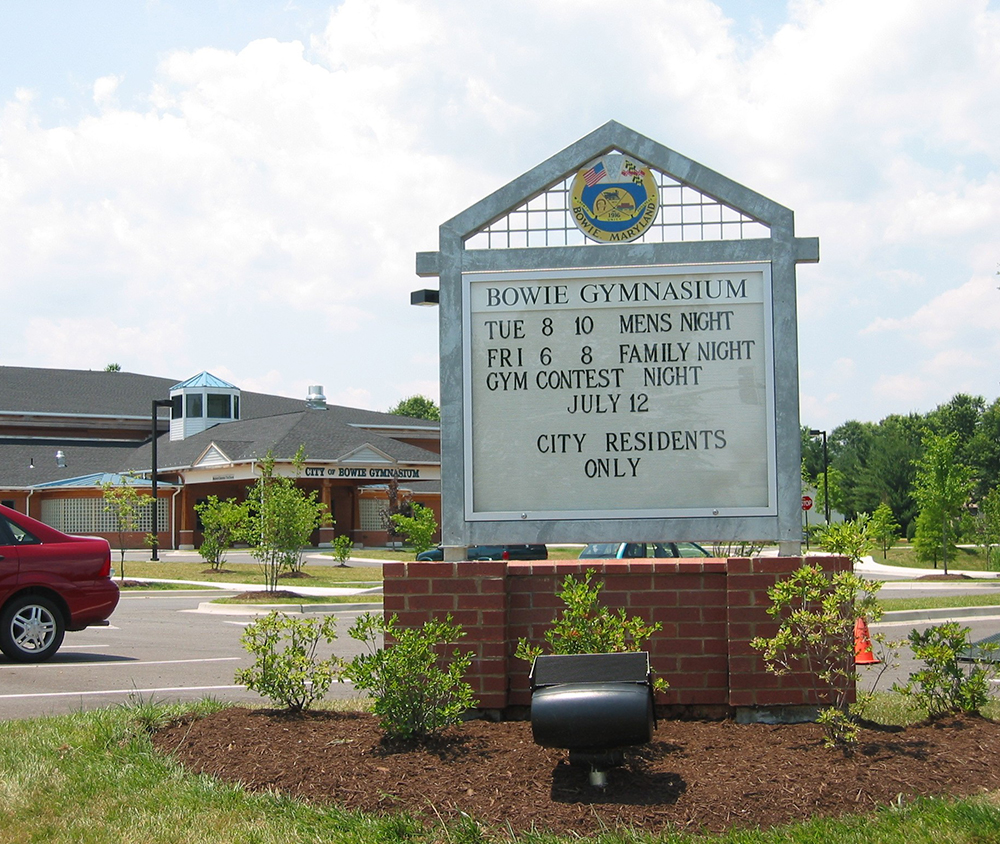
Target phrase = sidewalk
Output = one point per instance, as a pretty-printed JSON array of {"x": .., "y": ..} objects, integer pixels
[{"x": 870, "y": 568}]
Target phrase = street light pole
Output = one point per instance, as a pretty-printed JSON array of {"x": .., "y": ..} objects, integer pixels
[
  {"x": 157, "y": 403},
  {"x": 826, "y": 475}
]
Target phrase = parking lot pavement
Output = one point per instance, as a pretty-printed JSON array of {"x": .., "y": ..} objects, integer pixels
[{"x": 158, "y": 648}]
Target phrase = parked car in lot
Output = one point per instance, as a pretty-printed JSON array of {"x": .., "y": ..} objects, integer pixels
[
  {"x": 641, "y": 550},
  {"x": 50, "y": 582},
  {"x": 491, "y": 552}
]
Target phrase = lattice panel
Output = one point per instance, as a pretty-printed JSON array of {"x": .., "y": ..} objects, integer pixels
[
  {"x": 88, "y": 515},
  {"x": 685, "y": 214}
]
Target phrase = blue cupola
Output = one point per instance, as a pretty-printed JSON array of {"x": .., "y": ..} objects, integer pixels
[{"x": 201, "y": 402}]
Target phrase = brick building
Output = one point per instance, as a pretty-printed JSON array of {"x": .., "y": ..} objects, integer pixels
[{"x": 65, "y": 432}]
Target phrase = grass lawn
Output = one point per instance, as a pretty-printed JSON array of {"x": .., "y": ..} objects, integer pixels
[
  {"x": 266, "y": 598},
  {"x": 352, "y": 576},
  {"x": 902, "y": 554},
  {"x": 95, "y": 778},
  {"x": 940, "y": 602}
]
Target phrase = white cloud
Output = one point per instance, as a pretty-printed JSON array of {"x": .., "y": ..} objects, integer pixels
[{"x": 258, "y": 212}]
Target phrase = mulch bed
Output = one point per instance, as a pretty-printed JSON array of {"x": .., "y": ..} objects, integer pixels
[{"x": 695, "y": 775}]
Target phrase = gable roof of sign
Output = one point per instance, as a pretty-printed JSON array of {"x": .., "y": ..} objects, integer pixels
[{"x": 614, "y": 136}]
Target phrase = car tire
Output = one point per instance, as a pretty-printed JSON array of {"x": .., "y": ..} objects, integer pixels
[{"x": 31, "y": 628}]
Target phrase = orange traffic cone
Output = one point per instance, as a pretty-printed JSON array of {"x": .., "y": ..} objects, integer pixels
[{"x": 863, "y": 644}]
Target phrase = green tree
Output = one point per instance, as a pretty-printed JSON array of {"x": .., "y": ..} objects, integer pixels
[
  {"x": 849, "y": 446},
  {"x": 960, "y": 416},
  {"x": 113, "y": 367},
  {"x": 223, "y": 522},
  {"x": 418, "y": 407},
  {"x": 888, "y": 473},
  {"x": 419, "y": 529},
  {"x": 281, "y": 519},
  {"x": 128, "y": 506},
  {"x": 988, "y": 525},
  {"x": 884, "y": 528},
  {"x": 984, "y": 451},
  {"x": 942, "y": 488}
]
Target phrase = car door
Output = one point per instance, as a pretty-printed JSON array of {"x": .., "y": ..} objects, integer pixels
[{"x": 9, "y": 560}]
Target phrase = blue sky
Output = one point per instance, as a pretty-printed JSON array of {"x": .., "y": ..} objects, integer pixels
[{"x": 200, "y": 185}]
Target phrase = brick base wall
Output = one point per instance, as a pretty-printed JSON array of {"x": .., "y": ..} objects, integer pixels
[{"x": 709, "y": 610}]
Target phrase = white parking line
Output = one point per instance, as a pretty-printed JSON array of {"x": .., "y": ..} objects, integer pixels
[
  {"x": 121, "y": 692},
  {"x": 125, "y": 663}
]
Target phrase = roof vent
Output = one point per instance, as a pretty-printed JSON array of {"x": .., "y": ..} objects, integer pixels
[{"x": 316, "y": 400}]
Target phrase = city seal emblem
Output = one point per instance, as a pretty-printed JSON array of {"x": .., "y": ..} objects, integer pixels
[{"x": 614, "y": 199}]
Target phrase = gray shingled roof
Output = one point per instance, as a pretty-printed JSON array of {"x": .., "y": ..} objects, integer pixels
[
  {"x": 82, "y": 458},
  {"x": 269, "y": 422},
  {"x": 80, "y": 391},
  {"x": 325, "y": 437}
]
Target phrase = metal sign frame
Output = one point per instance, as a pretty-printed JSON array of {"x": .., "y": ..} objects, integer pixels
[{"x": 456, "y": 265}]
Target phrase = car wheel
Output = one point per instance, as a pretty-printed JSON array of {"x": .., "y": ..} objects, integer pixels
[{"x": 31, "y": 628}]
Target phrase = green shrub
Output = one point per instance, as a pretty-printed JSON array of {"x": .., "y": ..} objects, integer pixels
[
  {"x": 585, "y": 627},
  {"x": 287, "y": 669},
  {"x": 852, "y": 539},
  {"x": 943, "y": 686},
  {"x": 342, "y": 547},
  {"x": 413, "y": 696},
  {"x": 815, "y": 639},
  {"x": 418, "y": 529}
]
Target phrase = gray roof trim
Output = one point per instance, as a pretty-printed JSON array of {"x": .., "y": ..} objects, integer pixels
[
  {"x": 414, "y": 428},
  {"x": 69, "y": 415}
]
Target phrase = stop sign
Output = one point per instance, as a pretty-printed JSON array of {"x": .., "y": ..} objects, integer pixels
[{"x": 807, "y": 502}]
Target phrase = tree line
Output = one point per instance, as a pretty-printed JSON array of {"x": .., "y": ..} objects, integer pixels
[{"x": 937, "y": 472}]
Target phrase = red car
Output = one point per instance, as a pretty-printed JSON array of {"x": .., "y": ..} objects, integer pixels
[{"x": 49, "y": 583}]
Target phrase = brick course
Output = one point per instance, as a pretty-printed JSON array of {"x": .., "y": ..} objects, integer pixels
[{"x": 710, "y": 610}]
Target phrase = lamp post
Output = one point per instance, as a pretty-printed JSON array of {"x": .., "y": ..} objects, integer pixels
[
  {"x": 157, "y": 403},
  {"x": 826, "y": 475}
]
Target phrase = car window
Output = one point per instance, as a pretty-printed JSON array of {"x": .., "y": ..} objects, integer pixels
[
  {"x": 634, "y": 550},
  {"x": 600, "y": 551},
  {"x": 663, "y": 549},
  {"x": 690, "y": 549},
  {"x": 12, "y": 533}
]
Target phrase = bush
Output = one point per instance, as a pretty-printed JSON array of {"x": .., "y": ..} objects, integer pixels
[
  {"x": 222, "y": 524},
  {"x": 853, "y": 539},
  {"x": 342, "y": 547},
  {"x": 292, "y": 677},
  {"x": 817, "y": 612},
  {"x": 942, "y": 686},
  {"x": 586, "y": 627},
  {"x": 418, "y": 529},
  {"x": 413, "y": 696}
]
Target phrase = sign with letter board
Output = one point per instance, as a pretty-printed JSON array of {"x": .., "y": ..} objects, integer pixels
[
  {"x": 619, "y": 354},
  {"x": 645, "y": 392}
]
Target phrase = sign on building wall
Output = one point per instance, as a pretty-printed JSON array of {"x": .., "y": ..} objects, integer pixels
[{"x": 619, "y": 354}]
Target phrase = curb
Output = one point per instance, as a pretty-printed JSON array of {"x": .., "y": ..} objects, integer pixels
[
  {"x": 943, "y": 614},
  {"x": 292, "y": 609}
]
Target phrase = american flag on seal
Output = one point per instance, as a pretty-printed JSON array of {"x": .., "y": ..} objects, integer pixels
[{"x": 594, "y": 174}]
